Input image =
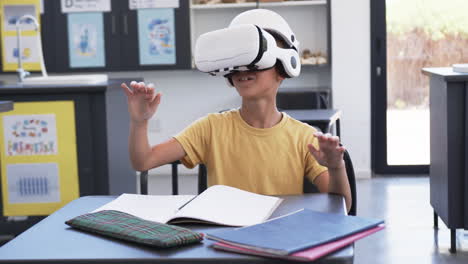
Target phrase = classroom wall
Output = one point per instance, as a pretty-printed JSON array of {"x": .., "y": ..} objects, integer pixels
[{"x": 351, "y": 78}]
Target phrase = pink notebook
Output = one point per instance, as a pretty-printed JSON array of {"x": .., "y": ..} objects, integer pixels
[{"x": 305, "y": 255}]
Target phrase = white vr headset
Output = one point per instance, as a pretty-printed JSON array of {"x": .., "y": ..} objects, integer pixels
[{"x": 242, "y": 48}]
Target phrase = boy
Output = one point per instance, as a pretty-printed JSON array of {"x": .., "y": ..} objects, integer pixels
[{"x": 254, "y": 148}]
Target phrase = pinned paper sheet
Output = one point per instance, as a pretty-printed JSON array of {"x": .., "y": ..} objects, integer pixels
[
  {"x": 38, "y": 159},
  {"x": 10, "y": 12},
  {"x": 86, "y": 40},
  {"x": 42, "y": 186},
  {"x": 140, "y": 4},
  {"x": 29, "y": 51},
  {"x": 69, "y": 6},
  {"x": 156, "y": 36}
]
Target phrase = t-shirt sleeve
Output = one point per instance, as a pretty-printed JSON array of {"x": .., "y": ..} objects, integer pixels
[
  {"x": 312, "y": 167},
  {"x": 194, "y": 140}
]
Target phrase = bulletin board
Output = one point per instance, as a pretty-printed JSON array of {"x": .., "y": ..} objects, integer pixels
[
  {"x": 10, "y": 11},
  {"x": 38, "y": 158}
]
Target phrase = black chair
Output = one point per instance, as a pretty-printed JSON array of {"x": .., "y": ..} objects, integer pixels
[{"x": 202, "y": 181}]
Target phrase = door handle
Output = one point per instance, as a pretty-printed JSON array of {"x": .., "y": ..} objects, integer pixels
[
  {"x": 113, "y": 26},
  {"x": 125, "y": 24}
]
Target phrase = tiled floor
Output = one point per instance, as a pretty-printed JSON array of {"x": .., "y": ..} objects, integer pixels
[{"x": 404, "y": 204}]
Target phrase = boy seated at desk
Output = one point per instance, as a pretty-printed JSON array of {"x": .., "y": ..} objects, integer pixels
[{"x": 255, "y": 147}]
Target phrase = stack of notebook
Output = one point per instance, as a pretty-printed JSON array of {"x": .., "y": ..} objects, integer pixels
[{"x": 304, "y": 235}]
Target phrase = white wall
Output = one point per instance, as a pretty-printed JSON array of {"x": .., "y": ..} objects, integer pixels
[{"x": 351, "y": 78}]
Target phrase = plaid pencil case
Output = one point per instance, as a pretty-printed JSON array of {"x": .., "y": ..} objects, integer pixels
[{"x": 131, "y": 228}]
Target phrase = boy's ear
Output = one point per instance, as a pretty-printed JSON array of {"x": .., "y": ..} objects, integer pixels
[
  {"x": 280, "y": 69},
  {"x": 280, "y": 77}
]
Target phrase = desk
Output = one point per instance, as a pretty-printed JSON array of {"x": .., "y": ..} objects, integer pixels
[
  {"x": 321, "y": 118},
  {"x": 6, "y": 106},
  {"x": 101, "y": 123},
  {"x": 51, "y": 241},
  {"x": 448, "y": 174}
]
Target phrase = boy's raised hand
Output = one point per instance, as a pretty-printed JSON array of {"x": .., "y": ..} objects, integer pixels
[
  {"x": 142, "y": 100},
  {"x": 330, "y": 153}
]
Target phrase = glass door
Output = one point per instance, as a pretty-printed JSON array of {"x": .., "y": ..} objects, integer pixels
[{"x": 406, "y": 37}]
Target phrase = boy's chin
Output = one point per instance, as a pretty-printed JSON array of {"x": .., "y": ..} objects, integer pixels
[{"x": 248, "y": 95}]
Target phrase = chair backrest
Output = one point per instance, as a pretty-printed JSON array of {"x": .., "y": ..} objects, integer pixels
[
  {"x": 352, "y": 182},
  {"x": 309, "y": 187},
  {"x": 202, "y": 179}
]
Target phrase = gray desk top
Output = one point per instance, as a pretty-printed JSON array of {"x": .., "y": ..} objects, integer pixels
[
  {"x": 51, "y": 241},
  {"x": 314, "y": 115},
  {"x": 17, "y": 88},
  {"x": 6, "y": 106},
  {"x": 303, "y": 89},
  {"x": 446, "y": 73}
]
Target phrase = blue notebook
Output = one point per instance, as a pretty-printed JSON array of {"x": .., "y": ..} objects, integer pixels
[{"x": 295, "y": 232}]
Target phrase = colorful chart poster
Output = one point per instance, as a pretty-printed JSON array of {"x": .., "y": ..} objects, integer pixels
[
  {"x": 38, "y": 159},
  {"x": 10, "y": 12},
  {"x": 86, "y": 40},
  {"x": 30, "y": 135},
  {"x": 156, "y": 36}
]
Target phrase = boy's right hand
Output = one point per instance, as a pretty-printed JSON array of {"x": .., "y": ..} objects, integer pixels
[{"x": 142, "y": 101}]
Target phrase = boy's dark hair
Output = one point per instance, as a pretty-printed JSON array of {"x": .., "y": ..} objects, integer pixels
[{"x": 282, "y": 44}]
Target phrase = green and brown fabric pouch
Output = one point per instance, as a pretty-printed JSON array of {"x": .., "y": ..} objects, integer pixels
[{"x": 131, "y": 228}]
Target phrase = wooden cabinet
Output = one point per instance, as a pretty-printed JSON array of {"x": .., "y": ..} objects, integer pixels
[
  {"x": 101, "y": 122},
  {"x": 119, "y": 40},
  {"x": 130, "y": 38},
  {"x": 449, "y": 148}
]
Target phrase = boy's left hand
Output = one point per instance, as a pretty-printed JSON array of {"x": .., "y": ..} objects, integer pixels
[{"x": 330, "y": 153}]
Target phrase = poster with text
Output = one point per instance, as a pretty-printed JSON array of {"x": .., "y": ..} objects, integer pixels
[
  {"x": 10, "y": 12},
  {"x": 86, "y": 40},
  {"x": 156, "y": 36},
  {"x": 30, "y": 135},
  {"x": 38, "y": 158}
]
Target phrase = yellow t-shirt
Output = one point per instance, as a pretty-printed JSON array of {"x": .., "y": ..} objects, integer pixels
[{"x": 271, "y": 161}]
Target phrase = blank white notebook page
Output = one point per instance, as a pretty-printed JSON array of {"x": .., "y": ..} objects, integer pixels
[
  {"x": 158, "y": 208},
  {"x": 230, "y": 206}
]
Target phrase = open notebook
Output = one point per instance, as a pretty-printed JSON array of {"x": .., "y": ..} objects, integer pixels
[{"x": 219, "y": 204}]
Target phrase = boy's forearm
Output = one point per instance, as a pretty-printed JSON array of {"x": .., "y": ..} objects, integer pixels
[
  {"x": 338, "y": 183},
  {"x": 138, "y": 145}
]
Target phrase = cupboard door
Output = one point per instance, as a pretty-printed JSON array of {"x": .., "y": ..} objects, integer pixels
[{"x": 155, "y": 38}]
